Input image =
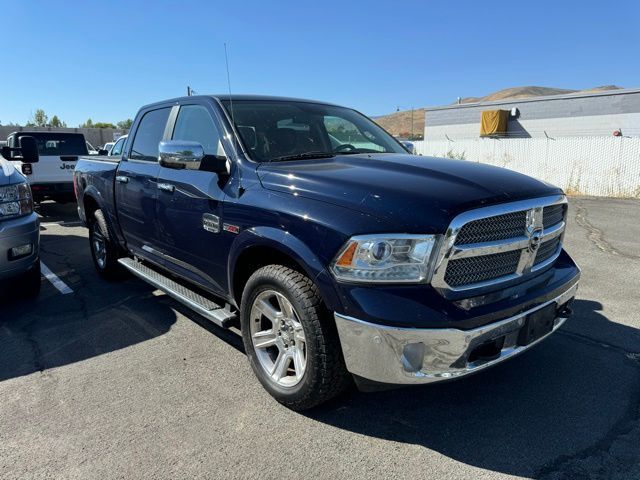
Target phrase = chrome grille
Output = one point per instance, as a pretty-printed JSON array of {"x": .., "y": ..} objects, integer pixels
[
  {"x": 495, "y": 228},
  {"x": 553, "y": 215},
  {"x": 480, "y": 269},
  {"x": 491, "y": 245},
  {"x": 547, "y": 250}
]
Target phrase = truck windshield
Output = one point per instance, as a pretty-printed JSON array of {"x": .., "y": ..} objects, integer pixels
[
  {"x": 278, "y": 130},
  {"x": 56, "y": 144}
]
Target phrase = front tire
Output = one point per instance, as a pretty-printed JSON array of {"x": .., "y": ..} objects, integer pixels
[
  {"x": 290, "y": 339},
  {"x": 104, "y": 250}
]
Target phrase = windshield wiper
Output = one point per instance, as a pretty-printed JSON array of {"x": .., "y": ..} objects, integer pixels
[
  {"x": 302, "y": 156},
  {"x": 358, "y": 151}
]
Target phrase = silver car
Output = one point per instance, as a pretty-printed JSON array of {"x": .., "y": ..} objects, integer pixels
[{"x": 19, "y": 224}]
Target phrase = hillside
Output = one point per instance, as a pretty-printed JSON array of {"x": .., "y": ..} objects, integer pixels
[{"x": 399, "y": 123}]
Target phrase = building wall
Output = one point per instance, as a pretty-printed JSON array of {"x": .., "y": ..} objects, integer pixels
[
  {"x": 96, "y": 136},
  {"x": 590, "y": 165},
  {"x": 561, "y": 115},
  {"x": 602, "y": 125}
]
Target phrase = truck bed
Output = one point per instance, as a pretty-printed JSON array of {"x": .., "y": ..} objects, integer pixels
[{"x": 98, "y": 172}]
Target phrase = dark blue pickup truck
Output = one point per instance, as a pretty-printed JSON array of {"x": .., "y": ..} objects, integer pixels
[{"x": 338, "y": 254}]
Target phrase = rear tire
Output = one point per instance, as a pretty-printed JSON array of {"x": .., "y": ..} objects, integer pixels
[
  {"x": 104, "y": 250},
  {"x": 282, "y": 308}
]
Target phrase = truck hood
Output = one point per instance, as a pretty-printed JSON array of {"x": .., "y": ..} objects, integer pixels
[{"x": 412, "y": 193}]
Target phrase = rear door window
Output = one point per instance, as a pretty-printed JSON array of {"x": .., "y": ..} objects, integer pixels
[{"x": 149, "y": 134}]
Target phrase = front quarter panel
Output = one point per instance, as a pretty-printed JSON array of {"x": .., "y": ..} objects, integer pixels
[{"x": 308, "y": 231}]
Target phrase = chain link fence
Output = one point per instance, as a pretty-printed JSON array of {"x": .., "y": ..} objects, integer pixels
[{"x": 581, "y": 165}]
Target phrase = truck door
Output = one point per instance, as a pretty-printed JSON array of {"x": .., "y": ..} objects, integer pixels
[
  {"x": 136, "y": 189},
  {"x": 190, "y": 202}
]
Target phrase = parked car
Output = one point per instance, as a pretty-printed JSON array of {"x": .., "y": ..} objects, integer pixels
[
  {"x": 52, "y": 177},
  {"x": 19, "y": 225},
  {"x": 337, "y": 262},
  {"x": 91, "y": 149},
  {"x": 106, "y": 148},
  {"x": 408, "y": 145},
  {"x": 117, "y": 148}
]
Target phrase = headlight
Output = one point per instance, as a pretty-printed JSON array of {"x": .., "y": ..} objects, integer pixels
[
  {"x": 386, "y": 259},
  {"x": 15, "y": 200}
]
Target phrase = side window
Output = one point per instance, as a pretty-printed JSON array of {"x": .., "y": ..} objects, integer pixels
[
  {"x": 149, "y": 135},
  {"x": 117, "y": 148},
  {"x": 194, "y": 124}
]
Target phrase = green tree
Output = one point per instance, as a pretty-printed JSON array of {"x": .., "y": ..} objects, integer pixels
[
  {"x": 90, "y": 124},
  {"x": 39, "y": 119},
  {"x": 125, "y": 124},
  {"x": 56, "y": 122}
]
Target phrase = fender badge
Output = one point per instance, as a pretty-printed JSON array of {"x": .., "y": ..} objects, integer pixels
[
  {"x": 230, "y": 228},
  {"x": 211, "y": 223}
]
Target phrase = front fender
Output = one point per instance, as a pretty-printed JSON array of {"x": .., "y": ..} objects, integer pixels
[{"x": 291, "y": 246}]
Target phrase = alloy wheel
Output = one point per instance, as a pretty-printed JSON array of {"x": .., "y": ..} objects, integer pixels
[{"x": 278, "y": 338}]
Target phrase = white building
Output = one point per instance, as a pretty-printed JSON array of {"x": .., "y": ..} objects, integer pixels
[
  {"x": 587, "y": 144},
  {"x": 579, "y": 114}
]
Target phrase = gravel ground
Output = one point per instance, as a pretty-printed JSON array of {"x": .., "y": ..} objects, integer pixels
[{"x": 116, "y": 380}]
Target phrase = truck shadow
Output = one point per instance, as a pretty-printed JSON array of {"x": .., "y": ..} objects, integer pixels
[
  {"x": 97, "y": 318},
  {"x": 526, "y": 417},
  {"x": 57, "y": 212}
]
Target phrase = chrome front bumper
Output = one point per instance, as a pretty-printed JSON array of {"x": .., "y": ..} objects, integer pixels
[{"x": 410, "y": 355}]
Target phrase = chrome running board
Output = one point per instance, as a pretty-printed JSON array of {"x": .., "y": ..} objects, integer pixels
[{"x": 221, "y": 316}]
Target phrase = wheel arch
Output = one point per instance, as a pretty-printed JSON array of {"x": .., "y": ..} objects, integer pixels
[
  {"x": 267, "y": 246},
  {"x": 90, "y": 205},
  {"x": 91, "y": 201}
]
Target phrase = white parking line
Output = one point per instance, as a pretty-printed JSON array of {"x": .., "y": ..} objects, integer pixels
[{"x": 62, "y": 287}]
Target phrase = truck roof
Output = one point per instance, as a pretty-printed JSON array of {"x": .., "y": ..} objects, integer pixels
[
  {"x": 239, "y": 97},
  {"x": 43, "y": 133}
]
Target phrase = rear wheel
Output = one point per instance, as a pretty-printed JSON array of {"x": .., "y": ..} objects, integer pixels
[
  {"x": 104, "y": 250},
  {"x": 290, "y": 339}
]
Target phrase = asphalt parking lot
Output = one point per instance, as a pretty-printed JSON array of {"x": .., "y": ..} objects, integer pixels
[{"x": 116, "y": 380}]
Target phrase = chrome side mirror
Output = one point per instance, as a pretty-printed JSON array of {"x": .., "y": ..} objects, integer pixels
[{"x": 180, "y": 154}]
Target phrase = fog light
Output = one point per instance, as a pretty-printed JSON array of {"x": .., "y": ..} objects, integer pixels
[
  {"x": 412, "y": 357},
  {"x": 20, "y": 251}
]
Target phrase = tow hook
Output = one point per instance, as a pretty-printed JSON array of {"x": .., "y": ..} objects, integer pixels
[{"x": 565, "y": 311}]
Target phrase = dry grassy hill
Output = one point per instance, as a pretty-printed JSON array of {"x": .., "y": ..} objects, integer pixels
[{"x": 399, "y": 123}]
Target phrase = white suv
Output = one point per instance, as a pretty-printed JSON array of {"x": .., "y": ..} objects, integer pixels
[{"x": 52, "y": 176}]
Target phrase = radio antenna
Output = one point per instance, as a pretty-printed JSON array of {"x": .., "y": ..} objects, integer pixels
[{"x": 226, "y": 59}]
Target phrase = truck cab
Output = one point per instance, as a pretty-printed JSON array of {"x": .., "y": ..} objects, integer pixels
[{"x": 339, "y": 256}]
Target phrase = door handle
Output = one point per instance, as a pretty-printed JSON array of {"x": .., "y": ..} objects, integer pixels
[
  {"x": 166, "y": 187},
  {"x": 122, "y": 179}
]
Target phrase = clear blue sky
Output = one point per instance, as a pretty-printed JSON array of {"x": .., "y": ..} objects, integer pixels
[{"x": 104, "y": 59}]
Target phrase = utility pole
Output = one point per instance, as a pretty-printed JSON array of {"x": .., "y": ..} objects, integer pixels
[
  {"x": 412, "y": 110},
  {"x": 189, "y": 91},
  {"x": 411, "y": 123}
]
